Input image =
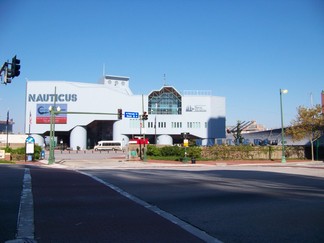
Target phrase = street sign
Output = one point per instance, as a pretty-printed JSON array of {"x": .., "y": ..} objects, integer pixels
[{"x": 128, "y": 114}]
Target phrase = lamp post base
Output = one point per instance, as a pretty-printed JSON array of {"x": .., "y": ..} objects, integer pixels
[{"x": 283, "y": 159}]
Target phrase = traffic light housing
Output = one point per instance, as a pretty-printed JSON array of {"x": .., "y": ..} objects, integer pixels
[
  {"x": 120, "y": 114},
  {"x": 7, "y": 76},
  {"x": 185, "y": 135},
  {"x": 145, "y": 115},
  {"x": 15, "y": 67}
]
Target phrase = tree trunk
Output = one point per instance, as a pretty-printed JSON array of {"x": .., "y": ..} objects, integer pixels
[{"x": 312, "y": 149}]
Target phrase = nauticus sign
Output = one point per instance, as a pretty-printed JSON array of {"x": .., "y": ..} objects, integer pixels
[{"x": 51, "y": 97}]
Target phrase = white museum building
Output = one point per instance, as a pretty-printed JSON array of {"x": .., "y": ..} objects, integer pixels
[{"x": 89, "y": 113}]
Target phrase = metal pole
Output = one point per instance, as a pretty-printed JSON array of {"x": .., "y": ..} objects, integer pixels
[
  {"x": 7, "y": 131},
  {"x": 51, "y": 158},
  {"x": 155, "y": 130},
  {"x": 156, "y": 112},
  {"x": 29, "y": 123},
  {"x": 144, "y": 146},
  {"x": 283, "y": 157}
]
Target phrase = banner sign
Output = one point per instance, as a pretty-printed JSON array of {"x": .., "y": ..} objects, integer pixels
[{"x": 43, "y": 114}]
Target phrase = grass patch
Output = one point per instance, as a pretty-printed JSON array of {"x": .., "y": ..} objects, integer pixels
[{"x": 2, "y": 161}]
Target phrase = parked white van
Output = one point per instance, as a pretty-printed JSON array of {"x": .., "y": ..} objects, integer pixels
[{"x": 109, "y": 145}]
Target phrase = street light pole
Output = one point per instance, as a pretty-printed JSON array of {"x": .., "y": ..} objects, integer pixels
[
  {"x": 283, "y": 157},
  {"x": 52, "y": 109},
  {"x": 51, "y": 158}
]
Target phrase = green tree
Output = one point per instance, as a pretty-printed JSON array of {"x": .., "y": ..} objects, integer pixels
[{"x": 309, "y": 123}]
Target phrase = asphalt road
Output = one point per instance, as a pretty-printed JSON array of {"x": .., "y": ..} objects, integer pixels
[
  {"x": 249, "y": 204},
  {"x": 11, "y": 177},
  {"x": 119, "y": 201},
  {"x": 67, "y": 206}
]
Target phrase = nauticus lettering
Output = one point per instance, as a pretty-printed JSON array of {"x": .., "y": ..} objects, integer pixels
[{"x": 52, "y": 97}]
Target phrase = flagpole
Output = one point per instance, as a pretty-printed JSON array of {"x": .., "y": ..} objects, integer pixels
[{"x": 29, "y": 122}]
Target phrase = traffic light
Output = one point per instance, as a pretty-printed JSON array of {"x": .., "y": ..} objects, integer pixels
[
  {"x": 185, "y": 135},
  {"x": 7, "y": 76},
  {"x": 15, "y": 67},
  {"x": 145, "y": 116},
  {"x": 120, "y": 114}
]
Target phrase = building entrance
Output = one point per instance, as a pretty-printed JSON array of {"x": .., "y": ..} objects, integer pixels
[{"x": 99, "y": 130}]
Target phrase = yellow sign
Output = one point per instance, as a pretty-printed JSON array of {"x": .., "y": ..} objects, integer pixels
[{"x": 185, "y": 142}]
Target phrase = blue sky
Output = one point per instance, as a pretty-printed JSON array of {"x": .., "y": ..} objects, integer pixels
[{"x": 242, "y": 50}]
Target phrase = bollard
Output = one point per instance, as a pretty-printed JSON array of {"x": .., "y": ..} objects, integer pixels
[{"x": 193, "y": 160}]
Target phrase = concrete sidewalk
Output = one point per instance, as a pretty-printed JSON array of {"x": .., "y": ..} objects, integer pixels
[{"x": 123, "y": 163}]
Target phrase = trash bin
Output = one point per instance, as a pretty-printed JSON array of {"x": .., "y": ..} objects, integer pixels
[
  {"x": 43, "y": 154},
  {"x": 193, "y": 160}
]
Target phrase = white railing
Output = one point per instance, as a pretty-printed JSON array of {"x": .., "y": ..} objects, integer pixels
[{"x": 197, "y": 92}]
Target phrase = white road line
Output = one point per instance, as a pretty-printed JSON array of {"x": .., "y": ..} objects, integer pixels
[
  {"x": 188, "y": 227},
  {"x": 25, "y": 224}
]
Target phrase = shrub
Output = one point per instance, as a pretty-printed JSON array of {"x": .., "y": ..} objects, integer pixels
[
  {"x": 19, "y": 153},
  {"x": 194, "y": 152},
  {"x": 171, "y": 151},
  {"x": 174, "y": 152},
  {"x": 153, "y": 150}
]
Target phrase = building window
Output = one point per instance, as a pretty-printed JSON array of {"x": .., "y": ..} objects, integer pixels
[
  {"x": 161, "y": 124},
  {"x": 194, "y": 124},
  {"x": 150, "y": 124},
  {"x": 174, "y": 124},
  {"x": 165, "y": 101}
]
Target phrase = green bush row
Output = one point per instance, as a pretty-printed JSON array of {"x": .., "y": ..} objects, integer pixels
[
  {"x": 246, "y": 152},
  {"x": 224, "y": 152},
  {"x": 19, "y": 153},
  {"x": 173, "y": 151}
]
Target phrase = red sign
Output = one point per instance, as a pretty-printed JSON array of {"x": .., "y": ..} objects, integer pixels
[
  {"x": 47, "y": 120},
  {"x": 139, "y": 141}
]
